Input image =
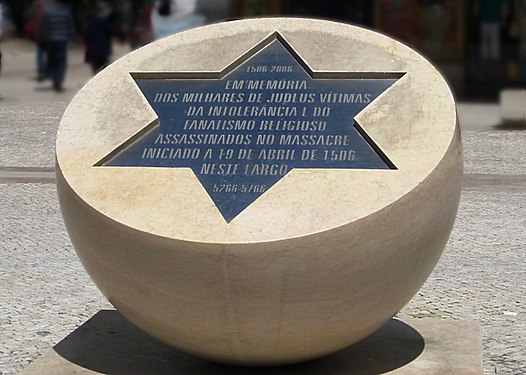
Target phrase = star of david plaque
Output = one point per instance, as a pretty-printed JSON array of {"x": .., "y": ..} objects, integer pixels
[{"x": 242, "y": 130}]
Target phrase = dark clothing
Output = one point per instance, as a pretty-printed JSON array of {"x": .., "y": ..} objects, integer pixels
[
  {"x": 1, "y": 20},
  {"x": 141, "y": 27},
  {"x": 491, "y": 10},
  {"x": 57, "y": 22},
  {"x": 165, "y": 7},
  {"x": 39, "y": 33},
  {"x": 99, "y": 32},
  {"x": 42, "y": 61},
  {"x": 57, "y": 62},
  {"x": 34, "y": 17}
]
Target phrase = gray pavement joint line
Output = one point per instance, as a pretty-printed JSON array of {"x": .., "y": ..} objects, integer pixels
[
  {"x": 36, "y": 175},
  {"x": 39, "y": 175},
  {"x": 495, "y": 181},
  {"x": 27, "y": 169}
]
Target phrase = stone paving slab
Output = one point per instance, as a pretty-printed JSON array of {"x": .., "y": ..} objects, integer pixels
[
  {"x": 45, "y": 293},
  {"x": 28, "y": 132},
  {"x": 481, "y": 276},
  {"x": 475, "y": 116},
  {"x": 495, "y": 152},
  {"x": 108, "y": 344}
]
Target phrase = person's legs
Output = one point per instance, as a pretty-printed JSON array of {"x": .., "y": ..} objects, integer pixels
[
  {"x": 52, "y": 57},
  {"x": 58, "y": 64},
  {"x": 42, "y": 62},
  {"x": 484, "y": 41},
  {"x": 1, "y": 97},
  {"x": 494, "y": 42}
]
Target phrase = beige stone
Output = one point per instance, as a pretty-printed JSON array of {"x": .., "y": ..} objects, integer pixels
[
  {"x": 513, "y": 106},
  {"x": 318, "y": 262},
  {"x": 108, "y": 344}
]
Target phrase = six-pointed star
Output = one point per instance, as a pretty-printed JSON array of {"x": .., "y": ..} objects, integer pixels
[{"x": 246, "y": 128}]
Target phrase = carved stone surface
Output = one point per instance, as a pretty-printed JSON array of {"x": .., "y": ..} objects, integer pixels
[{"x": 320, "y": 259}]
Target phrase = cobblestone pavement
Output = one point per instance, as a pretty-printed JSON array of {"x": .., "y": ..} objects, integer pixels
[
  {"x": 44, "y": 293},
  {"x": 481, "y": 277},
  {"x": 27, "y": 134}
]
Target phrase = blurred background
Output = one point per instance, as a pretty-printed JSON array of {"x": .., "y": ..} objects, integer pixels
[{"x": 479, "y": 45}]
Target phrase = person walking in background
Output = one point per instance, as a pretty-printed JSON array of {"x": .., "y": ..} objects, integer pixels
[
  {"x": 57, "y": 23},
  {"x": 520, "y": 14},
  {"x": 141, "y": 32},
  {"x": 164, "y": 8},
  {"x": 1, "y": 19},
  {"x": 491, "y": 15},
  {"x": 39, "y": 35},
  {"x": 98, "y": 35}
]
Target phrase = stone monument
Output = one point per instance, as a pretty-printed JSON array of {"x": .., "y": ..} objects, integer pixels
[{"x": 261, "y": 192}]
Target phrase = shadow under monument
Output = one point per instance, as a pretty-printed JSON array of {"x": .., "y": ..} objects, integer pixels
[
  {"x": 512, "y": 125},
  {"x": 109, "y": 344}
]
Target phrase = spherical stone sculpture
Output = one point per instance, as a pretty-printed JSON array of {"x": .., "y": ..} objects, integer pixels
[{"x": 261, "y": 192}]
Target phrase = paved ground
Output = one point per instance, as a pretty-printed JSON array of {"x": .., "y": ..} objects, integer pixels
[{"x": 45, "y": 293}]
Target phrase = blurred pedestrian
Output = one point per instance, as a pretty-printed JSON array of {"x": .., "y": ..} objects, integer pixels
[
  {"x": 141, "y": 32},
  {"x": 1, "y": 22},
  {"x": 520, "y": 12},
  {"x": 491, "y": 16},
  {"x": 39, "y": 35},
  {"x": 98, "y": 35},
  {"x": 164, "y": 8},
  {"x": 57, "y": 26}
]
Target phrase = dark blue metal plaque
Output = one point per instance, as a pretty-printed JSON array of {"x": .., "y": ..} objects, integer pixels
[{"x": 244, "y": 130}]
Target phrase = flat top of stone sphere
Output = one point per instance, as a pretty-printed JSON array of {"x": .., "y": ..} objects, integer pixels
[{"x": 329, "y": 123}]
